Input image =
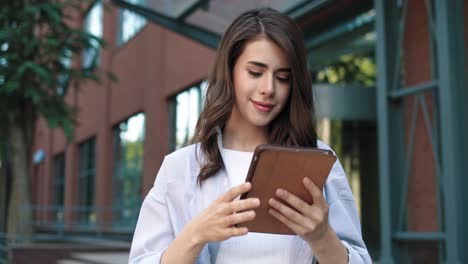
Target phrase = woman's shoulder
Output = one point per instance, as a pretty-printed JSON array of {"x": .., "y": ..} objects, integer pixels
[
  {"x": 179, "y": 166},
  {"x": 184, "y": 153},
  {"x": 185, "y": 158},
  {"x": 323, "y": 145}
]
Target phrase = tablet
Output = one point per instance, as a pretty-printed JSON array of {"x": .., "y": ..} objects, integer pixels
[{"x": 274, "y": 167}]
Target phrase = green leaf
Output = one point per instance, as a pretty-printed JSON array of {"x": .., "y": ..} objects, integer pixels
[
  {"x": 52, "y": 42},
  {"x": 31, "y": 10},
  {"x": 67, "y": 126},
  {"x": 53, "y": 12},
  {"x": 52, "y": 122},
  {"x": 11, "y": 86},
  {"x": 41, "y": 72},
  {"x": 34, "y": 94}
]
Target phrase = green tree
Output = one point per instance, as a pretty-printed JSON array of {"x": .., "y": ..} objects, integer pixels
[
  {"x": 36, "y": 38},
  {"x": 350, "y": 69}
]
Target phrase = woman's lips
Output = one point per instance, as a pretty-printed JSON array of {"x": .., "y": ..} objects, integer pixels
[{"x": 263, "y": 107}]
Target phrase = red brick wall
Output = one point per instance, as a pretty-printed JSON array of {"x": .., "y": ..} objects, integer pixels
[
  {"x": 150, "y": 67},
  {"x": 422, "y": 195},
  {"x": 422, "y": 206}
]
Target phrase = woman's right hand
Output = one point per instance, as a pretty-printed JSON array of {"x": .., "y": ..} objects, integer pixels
[{"x": 217, "y": 222}]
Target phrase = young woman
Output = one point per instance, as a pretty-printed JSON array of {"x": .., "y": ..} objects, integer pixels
[{"x": 259, "y": 92}]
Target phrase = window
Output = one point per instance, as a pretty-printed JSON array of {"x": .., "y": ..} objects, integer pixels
[
  {"x": 59, "y": 186},
  {"x": 185, "y": 109},
  {"x": 86, "y": 176},
  {"x": 63, "y": 78},
  {"x": 129, "y": 23},
  {"x": 93, "y": 25},
  {"x": 128, "y": 170}
]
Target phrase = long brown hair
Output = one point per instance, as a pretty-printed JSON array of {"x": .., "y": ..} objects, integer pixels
[{"x": 295, "y": 125}]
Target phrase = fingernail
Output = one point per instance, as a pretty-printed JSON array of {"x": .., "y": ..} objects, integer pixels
[
  {"x": 256, "y": 201},
  {"x": 307, "y": 180},
  {"x": 280, "y": 192},
  {"x": 272, "y": 201}
]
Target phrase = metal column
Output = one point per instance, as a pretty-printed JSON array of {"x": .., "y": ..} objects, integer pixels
[
  {"x": 453, "y": 118},
  {"x": 386, "y": 35},
  {"x": 447, "y": 132}
]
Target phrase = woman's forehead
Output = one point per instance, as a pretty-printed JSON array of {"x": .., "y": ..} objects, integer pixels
[{"x": 266, "y": 52}]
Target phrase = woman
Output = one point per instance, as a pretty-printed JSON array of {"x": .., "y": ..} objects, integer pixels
[{"x": 259, "y": 92}]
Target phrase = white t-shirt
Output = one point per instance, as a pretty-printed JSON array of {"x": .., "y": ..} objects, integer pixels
[
  {"x": 255, "y": 247},
  {"x": 176, "y": 198}
]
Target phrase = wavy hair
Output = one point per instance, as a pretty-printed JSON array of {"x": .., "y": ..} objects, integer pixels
[{"x": 295, "y": 125}]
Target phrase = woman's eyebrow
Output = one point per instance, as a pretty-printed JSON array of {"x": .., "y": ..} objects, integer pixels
[{"x": 263, "y": 65}]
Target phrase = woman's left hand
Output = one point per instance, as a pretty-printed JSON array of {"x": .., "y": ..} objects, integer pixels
[{"x": 310, "y": 221}]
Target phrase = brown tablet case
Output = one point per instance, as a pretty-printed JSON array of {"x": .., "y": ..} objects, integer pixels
[{"x": 274, "y": 167}]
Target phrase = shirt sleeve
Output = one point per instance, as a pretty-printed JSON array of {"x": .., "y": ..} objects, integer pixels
[
  {"x": 343, "y": 215},
  {"x": 153, "y": 232}
]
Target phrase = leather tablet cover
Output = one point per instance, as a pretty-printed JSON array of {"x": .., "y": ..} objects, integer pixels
[{"x": 274, "y": 167}]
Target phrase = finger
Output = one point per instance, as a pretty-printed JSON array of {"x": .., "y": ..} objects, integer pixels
[
  {"x": 293, "y": 200},
  {"x": 234, "y": 219},
  {"x": 283, "y": 219},
  {"x": 316, "y": 193},
  {"x": 235, "y": 231},
  {"x": 288, "y": 212},
  {"x": 241, "y": 205},
  {"x": 234, "y": 192}
]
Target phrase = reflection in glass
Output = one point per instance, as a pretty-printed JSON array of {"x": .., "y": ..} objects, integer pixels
[
  {"x": 355, "y": 144},
  {"x": 59, "y": 186},
  {"x": 93, "y": 25},
  {"x": 130, "y": 23},
  {"x": 86, "y": 177},
  {"x": 128, "y": 170},
  {"x": 344, "y": 55},
  {"x": 62, "y": 79},
  {"x": 188, "y": 105}
]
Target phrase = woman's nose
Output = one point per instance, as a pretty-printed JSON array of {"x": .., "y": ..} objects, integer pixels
[{"x": 267, "y": 85}]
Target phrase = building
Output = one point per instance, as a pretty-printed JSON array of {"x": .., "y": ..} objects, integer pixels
[{"x": 391, "y": 82}]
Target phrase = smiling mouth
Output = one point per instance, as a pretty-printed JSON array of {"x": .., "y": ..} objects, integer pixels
[{"x": 263, "y": 107}]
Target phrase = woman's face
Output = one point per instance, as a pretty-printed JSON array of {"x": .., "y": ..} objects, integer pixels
[{"x": 261, "y": 78}]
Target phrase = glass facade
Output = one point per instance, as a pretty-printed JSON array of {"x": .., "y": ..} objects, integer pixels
[
  {"x": 93, "y": 24},
  {"x": 128, "y": 144},
  {"x": 344, "y": 56},
  {"x": 59, "y": 186},
  {"x": 185, "y": 109},
  {"x": 86, "y": 178},
  {"x": 129, "y": 23}
]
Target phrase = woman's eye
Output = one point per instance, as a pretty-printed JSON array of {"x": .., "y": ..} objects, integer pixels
[
  {"x": 283, "y": 79},
  {"x": 255, "y": 74}
]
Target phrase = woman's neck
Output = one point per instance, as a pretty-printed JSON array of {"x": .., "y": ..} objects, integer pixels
[{"x": 243, "y": 137}]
